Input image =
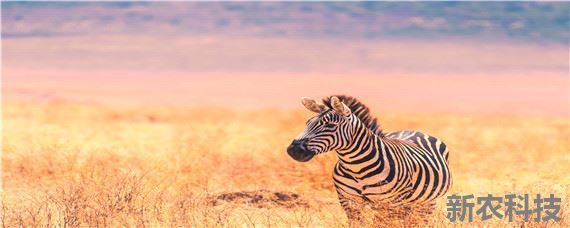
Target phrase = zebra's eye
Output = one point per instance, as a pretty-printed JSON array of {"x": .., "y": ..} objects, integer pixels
[{"x": 330, "y": 125}]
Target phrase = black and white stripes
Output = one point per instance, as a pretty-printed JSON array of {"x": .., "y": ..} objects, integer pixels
[{"x": 400, "y": 168}]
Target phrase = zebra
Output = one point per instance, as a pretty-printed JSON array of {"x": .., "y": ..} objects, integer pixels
[{"x": 404, "y": 169}]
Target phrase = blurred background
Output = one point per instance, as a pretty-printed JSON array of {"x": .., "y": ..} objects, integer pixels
[{"x": 484, "y": 57}]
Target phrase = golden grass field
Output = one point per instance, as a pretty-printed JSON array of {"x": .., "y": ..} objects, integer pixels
[{"x": 73, "y": 164}]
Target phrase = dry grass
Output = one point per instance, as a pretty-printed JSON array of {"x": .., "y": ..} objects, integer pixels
[{"x": 87, "y": 165}]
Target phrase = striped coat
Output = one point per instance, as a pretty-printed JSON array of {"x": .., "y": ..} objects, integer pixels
[{"x": 400, "y": 168}]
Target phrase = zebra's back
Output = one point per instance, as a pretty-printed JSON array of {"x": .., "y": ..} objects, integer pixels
[{"x": 425, "y": 141}]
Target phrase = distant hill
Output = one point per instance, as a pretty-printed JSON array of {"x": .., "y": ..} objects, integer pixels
[{"x": 525, "y": 21}]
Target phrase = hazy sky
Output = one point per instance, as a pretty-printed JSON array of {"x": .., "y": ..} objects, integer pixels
[
  {"x": 468, "y": 57},
  {"x": 521, "y": 21},
  {"x": 333, "y": 37}
]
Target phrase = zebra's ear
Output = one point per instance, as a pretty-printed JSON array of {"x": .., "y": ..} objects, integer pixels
[
  {"x": 340, "y": 107},
  {"x": 312, "y": 105}
]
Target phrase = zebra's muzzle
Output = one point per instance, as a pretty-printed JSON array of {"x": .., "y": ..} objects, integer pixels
[{"x": 298, "y": 150}]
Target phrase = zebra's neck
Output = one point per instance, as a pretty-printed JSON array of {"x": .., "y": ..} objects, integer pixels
[{"x": 363, "y": 153}]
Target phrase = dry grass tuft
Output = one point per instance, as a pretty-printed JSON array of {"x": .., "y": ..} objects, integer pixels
[{"x": 87, "y": 165}]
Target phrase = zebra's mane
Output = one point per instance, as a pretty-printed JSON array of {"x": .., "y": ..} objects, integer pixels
[{"x": 360, "y": 110}]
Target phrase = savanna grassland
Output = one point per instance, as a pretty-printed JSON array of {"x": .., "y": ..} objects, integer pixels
[{"x": 71, "y": 164}]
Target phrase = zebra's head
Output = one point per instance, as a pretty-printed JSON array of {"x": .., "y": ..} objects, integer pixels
[{"x": 330, "y": 130}]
